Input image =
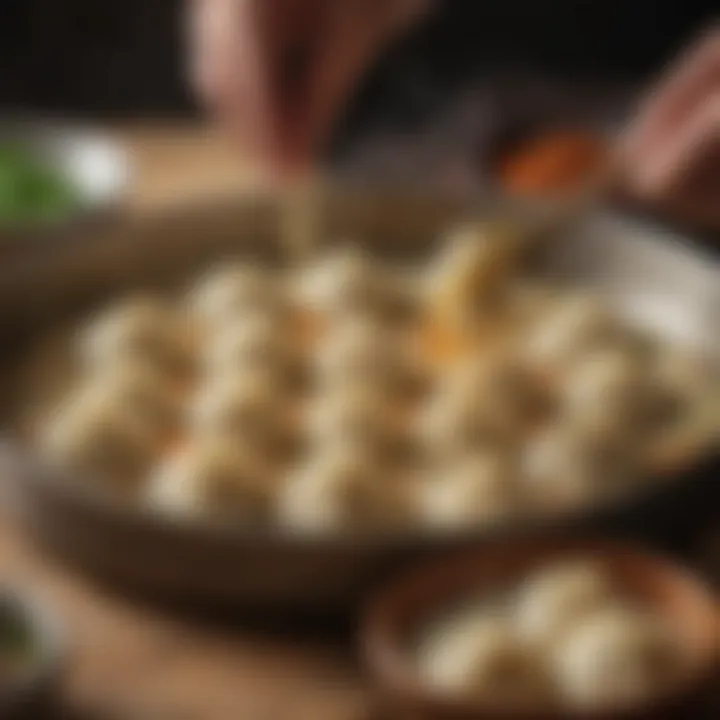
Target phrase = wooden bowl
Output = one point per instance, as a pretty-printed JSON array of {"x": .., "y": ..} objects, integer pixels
[{"x": 397, "y": 613}]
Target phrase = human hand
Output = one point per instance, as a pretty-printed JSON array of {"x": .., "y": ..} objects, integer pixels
[
  {"x": 276, "y": 73},
  {"x": 672, "y": 151}
]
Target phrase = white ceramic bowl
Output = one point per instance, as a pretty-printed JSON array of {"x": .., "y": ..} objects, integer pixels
[{"x": 97, "y": 166}]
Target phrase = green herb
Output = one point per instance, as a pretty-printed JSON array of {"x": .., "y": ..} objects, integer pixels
[
  {"x": 32, "y": 192},
  {"x": 17, "y": 643}
]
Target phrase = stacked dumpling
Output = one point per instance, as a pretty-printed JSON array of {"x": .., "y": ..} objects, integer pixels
[
  {"x": 356, "y": 425},
  {"x": 348, "y": 392},
  {"x": 609, "y": 402},
  {"x": 136, "y": 358},
  {"x": 566, "y": 636},
  {"x": 472, "y": 427},
  {"x": 347, "y": 283},
  {"x": 238, "y": 424},
  {"x": 478, "y": 653}
]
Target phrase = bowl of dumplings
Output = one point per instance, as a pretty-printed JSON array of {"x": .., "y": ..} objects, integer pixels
[
  {"x": 544, "y": 630},
  {"x": 266, "y": 430}
]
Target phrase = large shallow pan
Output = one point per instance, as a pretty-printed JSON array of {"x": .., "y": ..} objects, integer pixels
[{"x": 648, "y": 274}]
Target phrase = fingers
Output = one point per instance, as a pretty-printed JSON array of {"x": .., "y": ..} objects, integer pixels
[
  {"x": 682, "y": 178},
  {"x": 211, "y": 30},
  {"x": 290, "y": 67},
  {"x": 693, "y": 151},
  {"x": 277, "y": 72},
  {"x": 318, "y": 65},
  {"x": 225, "y": 67},
  {"x": 675, "y": 98},
  {"x": 672, "y": 152}
]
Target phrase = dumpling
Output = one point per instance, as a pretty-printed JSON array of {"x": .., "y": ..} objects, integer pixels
[
  {"x": 479, "y": 655},
  {"x": 478, "y": 488},
  {"x": 360, "y": 415},
  {"x": 685, "y": 401},
  {"x": 564, "y": 465},
  {"x": 575, "y": 326},
  {"x": 139, "y": 328},
  {"x": 482, "y": 399},
  {"x": 250, "y": 406},
  {"x": 141, "y": 388},
  {"x": 366, "y": 354},
  {"x": 616, "y": 657},
  {"x": 249, "y": 343},
  {"x": 551, "y": 602},
  {"x": 610, "y": 392},
  {"x": 529, "y": 301},
  {"x": 347, "y": 283},
  {"x": 212, "y": 476},
  {"x": 95, "y": 435},
  {"x": 228, "y": 293},
  {"x": 464, "y": 280},
  {"x": 683, "y": 381},
  {"x": 343, "y": 487},
  {"x": 683, "y": 372}
]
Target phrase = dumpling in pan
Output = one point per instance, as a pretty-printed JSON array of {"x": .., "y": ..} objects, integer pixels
[
  {"x": 483, "y": 399},
  {"x": 347, "y": 283},
  {"x": 478, "y": 488},
  {"x": 212, "y": 476},
  {"x": 364, "y": 353},
  {"x": 226, "y": 294},
  {"x": 565, "y": 465},
  {"x": 617, "y": 657},
  {"x": 98, "y": 434},
  {"x": 683, "y": 382},
  {"x": 360, "y": 415},
  {"x": 255, "y": 341},
  {"x": 343, "y": 487},
  {"x": 251, "y": 407},
  {"x": 576, "y": 325},
  {"x": 139, "y": 328},
  {"x": 683, "y": 372},
  {"x": 464, "y": 280},
  {"x": 611, "y": 392},
  {"x": 140, "y": 387}
]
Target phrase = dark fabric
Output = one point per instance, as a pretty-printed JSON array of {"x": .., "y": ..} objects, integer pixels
[
  {"x": 114, "y": 57},
  {"x": 125, "y": 57},
  {"x": 472, "y": 41}
]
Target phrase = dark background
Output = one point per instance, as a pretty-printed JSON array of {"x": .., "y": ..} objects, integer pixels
[{"x": 124, "y": 57}]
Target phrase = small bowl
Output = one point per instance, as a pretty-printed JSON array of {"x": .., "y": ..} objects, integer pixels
[
  {"x": 33, "y": 689},
  {"x": 96, "y": 165},
  {"x": 395, "y": 616}
]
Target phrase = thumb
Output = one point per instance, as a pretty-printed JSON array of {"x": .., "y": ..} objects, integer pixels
[{"x": 692, "y": 152}]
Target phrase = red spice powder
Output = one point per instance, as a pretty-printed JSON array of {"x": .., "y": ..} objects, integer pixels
[{"x": 551, "y": 163}]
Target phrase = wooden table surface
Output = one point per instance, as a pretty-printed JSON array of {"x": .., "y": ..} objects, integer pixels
[
  {"x": 135, "y": 661},
  {"x": 172, "y": 163},
  {"x": 132, "y": 660}
]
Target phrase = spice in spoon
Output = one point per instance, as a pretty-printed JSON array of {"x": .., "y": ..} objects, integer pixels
[{"x": 552, "y": 163}]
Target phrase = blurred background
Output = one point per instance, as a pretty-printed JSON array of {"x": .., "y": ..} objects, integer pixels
[{"x": 125, "y": 61}]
